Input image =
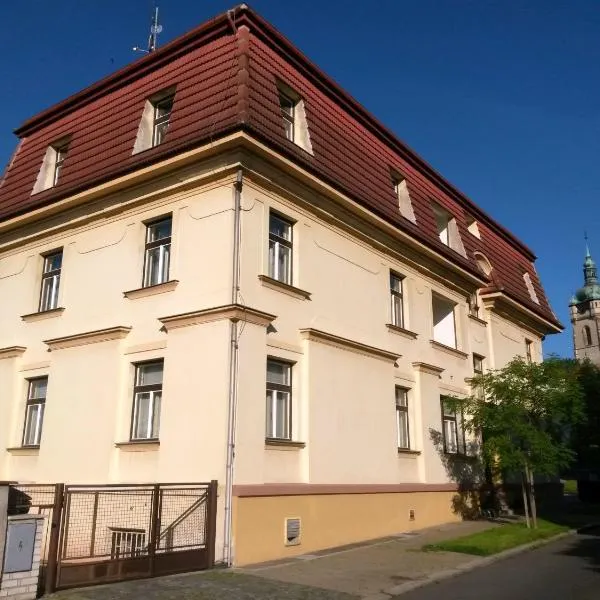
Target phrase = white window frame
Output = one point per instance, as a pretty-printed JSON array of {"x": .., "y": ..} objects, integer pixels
[
  {"x": 274, "y": 393},
  {"x": 403, "y": 197},
  {"x": 155, "y": 403},
  {"x": 159, "y": 134},
  {"x": 279, "y": 245},
  {"x": 453, "y": 421},
  {"x": 402, "y": 418},
  {"x": 164, "y": 246},
  {"x": 40, "y": 404},
  {"x": 50, "y": 284},
  {"x": 437, "y": 335},
  {"x": 528, "y": 350},
  {"x": 397, "y": 300}
]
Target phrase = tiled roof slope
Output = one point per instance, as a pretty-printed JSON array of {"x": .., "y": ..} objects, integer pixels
[{"x": 214, "y": 96}]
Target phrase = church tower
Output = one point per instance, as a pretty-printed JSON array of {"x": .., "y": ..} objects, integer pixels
[{"x": 585, "y": 314}]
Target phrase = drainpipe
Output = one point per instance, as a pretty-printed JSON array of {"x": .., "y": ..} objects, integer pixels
[{"x": 233, "y": 372}]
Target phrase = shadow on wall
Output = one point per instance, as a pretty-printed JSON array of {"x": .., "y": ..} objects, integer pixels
[{"x": 466, "y": 470}]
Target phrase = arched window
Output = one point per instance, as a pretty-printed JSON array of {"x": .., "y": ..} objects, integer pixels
[{"x": 587, "y": 336}]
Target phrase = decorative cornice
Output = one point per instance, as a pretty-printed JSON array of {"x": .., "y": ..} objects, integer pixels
[
  {"x": 89, "y": 337},
  {"x": 315, "y": 335},
  {"x": 152, "y": 290},
  {"x": 448, "y": 349},
  {"x": 12, "y": 352},
  {"x": 233, "y": 312},
  {"x": 315, "y": 489},
  {"x": 427, "y": 368}
]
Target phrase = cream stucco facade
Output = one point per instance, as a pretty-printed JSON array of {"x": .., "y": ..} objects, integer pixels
[{"x": 331, "y": 325}]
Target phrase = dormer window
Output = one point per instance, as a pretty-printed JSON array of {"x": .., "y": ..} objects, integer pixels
[
  {"x": 52, "y": 166},
  {"x": 155, "y": 120},
  {"x": 162, "y": 115},
  {"x": 293, "y": 115},
  {"x": 288, "y": 111},
  {"x": 530, "y": 288},
  {"x": 447, "y": 229},
  {"x": 59, "y": 159},
  {"x": 403, "y": 197},
  {"x": 473, "y": 227}
]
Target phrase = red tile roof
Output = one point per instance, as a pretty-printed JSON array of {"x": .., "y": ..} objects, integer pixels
[{"x": 225, "y": 73}]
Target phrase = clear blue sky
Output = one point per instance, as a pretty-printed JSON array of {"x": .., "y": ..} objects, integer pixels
[{"x": 502, "y": 97}]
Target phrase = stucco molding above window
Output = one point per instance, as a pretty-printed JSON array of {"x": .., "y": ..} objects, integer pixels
[
  {"x": 427, "y": 368},
  {"x": 315, "y": 335},
  {"x": 448, "y": 349},
  {"x": 233, "y": 312},
  {"x": 89, "y": 337},
  {"x": 12, "y": 352}
]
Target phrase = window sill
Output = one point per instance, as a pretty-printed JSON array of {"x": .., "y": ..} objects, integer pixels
[
  {"x": 477, "y": 320},
  {"x": 152, "y": 290},
  {"x": 407, "y": 333},
  {"x": 138, "y": 445},
  {"x": 44, "y": 314},
  {"x": 24, "y": 450},
  {"x": 408, "y": 452},
  {"x": 461, "y": 456},
  {"x": 284, "y": 444},
  {"x": 279, "y": 286},
  {"x": 448, "y": 349}
]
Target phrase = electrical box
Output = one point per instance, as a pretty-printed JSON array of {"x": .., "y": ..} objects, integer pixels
[{"x": 20, "y": 542}]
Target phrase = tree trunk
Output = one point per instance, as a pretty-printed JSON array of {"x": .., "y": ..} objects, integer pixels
[
  {"x": 532, "y": 502},
  {"x": 525, "y": 502}
]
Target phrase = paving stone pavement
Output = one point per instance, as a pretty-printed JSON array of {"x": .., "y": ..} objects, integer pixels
[{"x": 362, "y": 571}]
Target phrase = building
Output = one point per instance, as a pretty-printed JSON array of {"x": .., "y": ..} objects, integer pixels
[
  {"x": 585, "y": 314},
  {"x": 215, "y": 264}
]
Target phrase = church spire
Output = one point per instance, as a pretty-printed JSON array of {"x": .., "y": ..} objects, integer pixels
[{"x": 589, "y": 266}]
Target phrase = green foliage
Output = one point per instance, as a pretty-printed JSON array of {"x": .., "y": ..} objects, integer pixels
[
  {"x": 525, "y": 413},
  {"x": 499, "y": 538},
  {"x": 586, "y": 433}
]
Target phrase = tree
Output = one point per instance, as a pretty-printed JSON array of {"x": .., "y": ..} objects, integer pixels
[{"x": 523, "y": 414}]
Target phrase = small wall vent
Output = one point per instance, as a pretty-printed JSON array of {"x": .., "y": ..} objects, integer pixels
[
  {"x": 292, "y": 531},
  {"x": 411, "y": 514}
]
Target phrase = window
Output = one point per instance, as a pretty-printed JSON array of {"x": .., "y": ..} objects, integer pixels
[
  {"x": 447, "y": 229},
  {"x": 158, "y": 252},
  {"x": 478, "y": 370},
  {"x": 483, "y": 263},
  {"x": 288, "y": 110},
  {"x": 162, "y": 116},
  {"x": 403, "y": 197},
  {"x": 396, "y": 298},
  {"x": 293, "y": 115},
  {"x": 59, "y": 159},
  {"x": 452, "y": 429},
  {"x": 587, "y": 336},
  {"x": 473, "y": 305},
  {"x": 529, "y": 350},
  {"x": 473, "y": 227},
  {"x": 530, "y": 288},
  {"x": 444, "y": 328},
  {"x": 402, "y": 418},
  {"x": 34, "y": 411},
  {"x": 50, "y": 280},
  {"x": 280, "y": 248},
  {"x": 147, "y": 396},
  {"x": 279, "y": 400},
  {"x": 127, "y": 543},
  {"x": 477, "y": 364},
  {"x": 52, "y": 166}
]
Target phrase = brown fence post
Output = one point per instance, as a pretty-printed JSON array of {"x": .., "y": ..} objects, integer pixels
[
  {"x": 53, "y": 544},
  {"x": 154, "y": 526},
  {"x": 211, "y": 524}
]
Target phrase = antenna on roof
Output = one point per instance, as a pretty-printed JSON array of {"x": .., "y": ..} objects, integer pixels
[{"x": 155, "y": 29}]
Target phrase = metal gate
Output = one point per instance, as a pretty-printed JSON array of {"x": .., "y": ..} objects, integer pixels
[{"x": 108, "y": 533}]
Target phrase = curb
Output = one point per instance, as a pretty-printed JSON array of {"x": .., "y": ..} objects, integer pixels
[{"x": 470, "y": 566}]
